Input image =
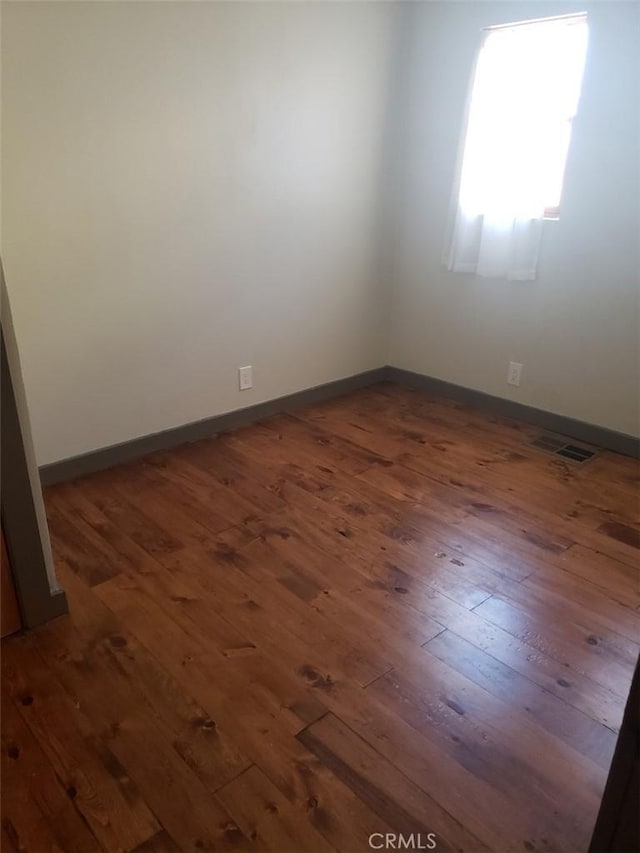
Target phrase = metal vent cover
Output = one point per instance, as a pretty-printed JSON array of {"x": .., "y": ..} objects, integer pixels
[{"x": 561, "y": 446}]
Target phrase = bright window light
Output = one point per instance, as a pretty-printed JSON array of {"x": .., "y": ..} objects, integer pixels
[{"x": 524, "y": 98}]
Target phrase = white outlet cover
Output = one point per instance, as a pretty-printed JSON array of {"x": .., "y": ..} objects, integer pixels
[
  {"x": 245, "y": 377},
  {"x": 514, "y": 373}
]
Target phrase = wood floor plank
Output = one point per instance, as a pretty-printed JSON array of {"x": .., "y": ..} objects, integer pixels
[
  {"x": 395, "y": 556},
  {"x": 165, "y": 488},
  {"x": 446, "y": 473},
  {"x": 621, "y": 532},
  {"x": 494, "y": 741},
  {"x": 71, "y": 499},
  {"x": 142, "y": 741},
  {"x": 386, "y": 732},
  {"x": 387, "y": 612},
  {"x": 171, "y": 788},
  {"x": 542, "y": 667},
  {"x": 40, "y": 813},
  {"x": 398, "y": 801},
  {"x": 618, "y": 580},
  {"x": 561, "y": 590},
  {"x": 9, "y": 841},
  {"x": 455, "y": 534},
  {"x": 76, "y": 542},
  {"x": 344, "y": 596},
  {"x": 550, "y": 711},
  {"x": 486, "y": 485},
  {"x": 603, "y": 656},
  {"x": 259, "y": 723},
  {"x": 573, "y": 686},
  {"x": 526, "y": 499},
  {"x": 375, "y": 512},
  {"x": 161, "y": 842},
  {"x": 285, "y": 440},
  {"x": 213, "y": 471},
  {"x": 167, "y": 510},
  {"x": 267, "y": 818},
  {"x": 569, "y": 684},
  {"x": 102, "y": 793},
  {"x": 256, "y": 607},
  {"x": 186, "y": 622},
  {"x": 102, "y": 489}
]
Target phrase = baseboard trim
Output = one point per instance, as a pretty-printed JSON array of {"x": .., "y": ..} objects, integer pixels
[
  {"x": 600, "y": 436},
  {"x": 107, "y": 457}
]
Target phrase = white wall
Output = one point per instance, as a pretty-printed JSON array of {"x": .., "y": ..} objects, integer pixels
[
  {"x": 576, "y": 328},
  {"x": 189, "y": 187}
]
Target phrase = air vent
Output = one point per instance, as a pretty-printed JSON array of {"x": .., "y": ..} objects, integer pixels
[
  {"x": 559, "y": 446},
  {"x": 572, "y": 451}
]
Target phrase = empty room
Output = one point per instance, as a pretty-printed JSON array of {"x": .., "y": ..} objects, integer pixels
[{"x": 320, "y": 426}]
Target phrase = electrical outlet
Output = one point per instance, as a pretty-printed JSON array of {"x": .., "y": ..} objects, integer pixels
[
  {"x": 245, "y": 377},
  {"x": 514, "y": 374}
]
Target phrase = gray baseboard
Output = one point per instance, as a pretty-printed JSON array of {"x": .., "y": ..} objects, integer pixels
[
  {"x": 600, "y": 436},
  {"x": 107, "y": 457}
]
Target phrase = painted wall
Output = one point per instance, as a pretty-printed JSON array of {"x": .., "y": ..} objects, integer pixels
[
  {"x": 576, "y": 328},
  {"x": 189, "y": 187}
]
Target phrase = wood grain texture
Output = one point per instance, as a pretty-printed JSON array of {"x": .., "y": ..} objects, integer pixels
[{"x": 385, "y": 613}]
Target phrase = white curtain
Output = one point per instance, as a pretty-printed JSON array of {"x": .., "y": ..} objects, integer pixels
[{"x": 524, "y": 96}]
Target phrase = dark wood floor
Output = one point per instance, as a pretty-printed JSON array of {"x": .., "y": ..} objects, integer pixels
[{"x": 386, "y": 613}]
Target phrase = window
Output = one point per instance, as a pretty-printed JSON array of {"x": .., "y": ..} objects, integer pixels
[{"x": 524, "y": 98}]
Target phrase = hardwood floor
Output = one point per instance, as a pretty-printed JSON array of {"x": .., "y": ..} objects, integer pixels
[{"x": 388, "y": 613}]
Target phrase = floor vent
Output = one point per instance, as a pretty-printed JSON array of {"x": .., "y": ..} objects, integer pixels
[{"x": 558, "y": 445}]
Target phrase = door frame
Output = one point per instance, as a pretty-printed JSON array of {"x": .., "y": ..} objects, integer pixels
[{"x": 21, "y": 504}]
